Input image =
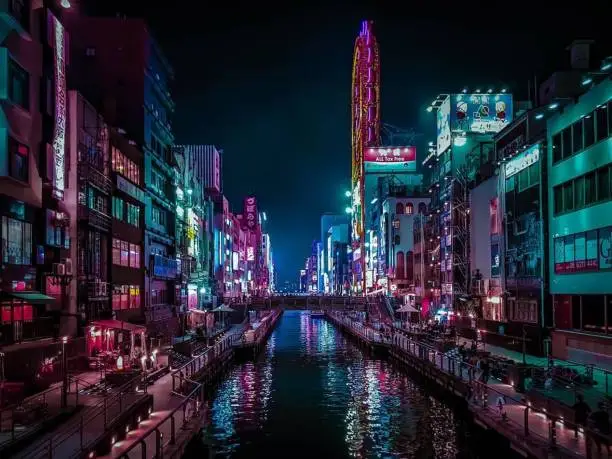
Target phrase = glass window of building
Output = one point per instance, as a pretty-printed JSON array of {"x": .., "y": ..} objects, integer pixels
[
  {"x": 601, "y": 115},
  {"x": 133, "y": 215},
  {"x": 566, "y": 139},
  {"x": 577, "y": 136},
  {"x": 568, "y": 196},
  {"x": 579, "y": 192},
  {"x": 125, "y": 166},
  {"x": 590, "y": 188},
  {"x": 603, "y": 184},
  {"x": 118, "y": 205},
  {"x": 126, "y": 254},
  {"x": 19, "y": 155},
  {"x": 18, "y": 85},
  {"x": 589, "y": 130},
  {"x": 16, "y": 241}
]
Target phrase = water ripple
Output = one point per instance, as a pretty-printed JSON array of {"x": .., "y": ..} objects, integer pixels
[{"x": 313, "y": 393}]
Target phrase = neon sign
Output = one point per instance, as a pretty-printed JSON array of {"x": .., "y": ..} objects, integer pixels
[{"x": 59, "y": 134}]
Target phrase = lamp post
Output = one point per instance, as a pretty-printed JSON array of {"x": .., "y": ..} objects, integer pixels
[{"x": 64, "y": 373}]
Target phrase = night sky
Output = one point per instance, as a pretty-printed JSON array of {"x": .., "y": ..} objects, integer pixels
[{"x": 271, "y": 85}]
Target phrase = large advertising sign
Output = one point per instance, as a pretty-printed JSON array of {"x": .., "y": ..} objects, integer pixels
[
  {"x": 443, "y": 126},
  {"x": 480, "y": 113},
  {"x": 384, "y": 159},
  {"x": 523, "y": 161},
  {"x": 250, "y": 212}
]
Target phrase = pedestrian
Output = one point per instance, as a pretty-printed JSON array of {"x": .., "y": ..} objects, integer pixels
[
  {"x": 581, "y": 412},
  {"x": 485, "y": 368},
  {"x": 601, "y": 424}
]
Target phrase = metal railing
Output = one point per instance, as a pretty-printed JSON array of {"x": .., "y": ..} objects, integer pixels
[
  {"x": 198, "y": 363},
  {"x": 513, "y": 414},
  {"x": 78, "y": 434},
  {"x": 151, "y": 443},
  {"x": 262, "y": 330}
]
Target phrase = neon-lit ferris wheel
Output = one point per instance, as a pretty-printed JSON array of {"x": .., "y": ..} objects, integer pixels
[{"x": 365, "y": 125}]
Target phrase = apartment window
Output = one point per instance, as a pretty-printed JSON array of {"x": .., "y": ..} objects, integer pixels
[
  {"x": 18, "y": 85},
  {"x": 96, "y": 200},
  {"x": 126, "y": 254},
  {"x": 590, "y": 190},
  {"x": 566, "y": 139},
  {"x": 579, "y": 192},
  {"x": 133, "y": 215},
  {"x": 126, "y": 297},
  {"x": 589, "y": 130},
  {"x": 118, "y": 205},
  {"x": 409, "y": 209},
  {"x": 158, "y": 181},
  {"x": 158, "y": 216},
  {"x": 601, "y": 115},
  {"x": 16, "y": 241},
  {"x": 568, "y": 196},
  {"x": 577, "y": 137},
  {"x": 19, "y": 155},
  {"x": 125, "y": 166},
  {"x": 603, "y": 184}
]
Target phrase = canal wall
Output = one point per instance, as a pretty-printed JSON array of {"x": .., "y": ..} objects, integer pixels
[
  {"x": 254, "y": 341},
  {"x": 514, "y": 421}
]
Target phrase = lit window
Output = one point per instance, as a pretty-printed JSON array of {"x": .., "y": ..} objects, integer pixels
[{"x": 19, "y": 155}]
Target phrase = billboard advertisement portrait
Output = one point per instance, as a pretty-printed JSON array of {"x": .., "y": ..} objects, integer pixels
[
  {"x": 382, "y": 159},
  {"x": 443, "y": 126},
  {"x": 480, "y": 113}
]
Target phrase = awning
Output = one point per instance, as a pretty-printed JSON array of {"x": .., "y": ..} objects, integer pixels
[
  {"x": 118, "y": 325},
  {"x": 407, "y": 308},
  {"x": 27, "y": 297},
  {"x": 223, "y": 308}
]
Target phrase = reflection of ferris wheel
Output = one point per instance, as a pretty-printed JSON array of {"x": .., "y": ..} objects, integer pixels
[{"x": 366, "y": 121}]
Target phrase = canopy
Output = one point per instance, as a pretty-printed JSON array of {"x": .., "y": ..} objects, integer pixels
[
  {"x": 407, "y": 308},
  {"x": 27, "y": 297},
  {"x": 223, "y": 308},
  {"x": 118, "y": 325}
]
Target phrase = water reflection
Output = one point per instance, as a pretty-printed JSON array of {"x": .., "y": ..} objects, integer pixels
[{"x": 313, "y": 393}]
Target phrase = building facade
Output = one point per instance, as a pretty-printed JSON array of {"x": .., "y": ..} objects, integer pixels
[{"x": 580, "y": 221}]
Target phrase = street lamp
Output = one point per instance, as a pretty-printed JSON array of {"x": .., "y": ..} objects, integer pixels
[
  {"x": 64, "y": 373},
  {"x": 348, "y": 210},
  {"x": 348, "y": 194}
]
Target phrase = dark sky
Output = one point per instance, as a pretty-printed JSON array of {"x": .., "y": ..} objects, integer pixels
[{"x": 271, "y": 85}]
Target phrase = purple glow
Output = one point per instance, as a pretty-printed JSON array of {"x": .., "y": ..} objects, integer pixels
[{"x": 59, "y": 134}]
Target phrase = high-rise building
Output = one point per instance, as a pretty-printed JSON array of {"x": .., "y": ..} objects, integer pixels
[
  {"x": 208, "y": 165},
  {"x": 127, "y": 74}
]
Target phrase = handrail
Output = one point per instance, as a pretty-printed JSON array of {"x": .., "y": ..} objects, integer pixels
[
  {"x": 480, "y": 391},
  {"x": 195, "y": 395},
  {"x": 74, "y": 426}
]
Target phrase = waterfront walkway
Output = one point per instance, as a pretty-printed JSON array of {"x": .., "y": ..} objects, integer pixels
[
  {"x": 170, "y": 423},
  {"x": 527, "y": 428}
]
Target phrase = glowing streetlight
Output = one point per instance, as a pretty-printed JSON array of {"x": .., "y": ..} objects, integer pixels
[
  {"x": 347, "y": 193},
  {"x": 348, "y": 210}
]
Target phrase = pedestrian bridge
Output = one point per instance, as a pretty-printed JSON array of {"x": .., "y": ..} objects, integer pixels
[{"x": 313, "y": 302}]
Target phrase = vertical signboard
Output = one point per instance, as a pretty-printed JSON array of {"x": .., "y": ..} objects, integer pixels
[
  {"x": 250, "y": 212},
  {"x": 495, "y": 260},
  {"x": 443, "y": 127},
  {"x": 58, "y": 41}
]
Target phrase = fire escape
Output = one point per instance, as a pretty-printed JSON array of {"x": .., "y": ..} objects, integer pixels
[
  {"x": 94, "y": 220},
  {"x": 460, "y": 233}
]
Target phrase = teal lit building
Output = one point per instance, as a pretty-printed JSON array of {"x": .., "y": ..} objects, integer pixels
[{"x": 580, "y": 222}]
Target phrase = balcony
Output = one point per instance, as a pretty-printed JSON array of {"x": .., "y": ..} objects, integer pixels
[
  {"x": 14, "y": 15},
  {"x": 94, "y": 176},
  {"x": 94, "y": 218}
]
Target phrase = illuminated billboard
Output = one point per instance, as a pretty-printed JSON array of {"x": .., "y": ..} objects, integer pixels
[
  {"x": 523, "y": 161},
  {"x": 386, "y": 159},
  {"x": 480, "y": 113},
  {"x": 250, "y": 212},
  {"x": 443, "y": 126},
  {"x": 59, "y": 132}
]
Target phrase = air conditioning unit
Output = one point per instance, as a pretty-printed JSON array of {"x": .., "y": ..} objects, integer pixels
[
  {"x": 59, "y": 269},
  {"x": 68, "y": 263}
]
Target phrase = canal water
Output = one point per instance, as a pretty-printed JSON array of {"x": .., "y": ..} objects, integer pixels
[{"x": 314, "y": 393}]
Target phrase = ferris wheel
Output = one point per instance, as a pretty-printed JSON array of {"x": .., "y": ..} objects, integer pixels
[{"x": 365, "y": 122}]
